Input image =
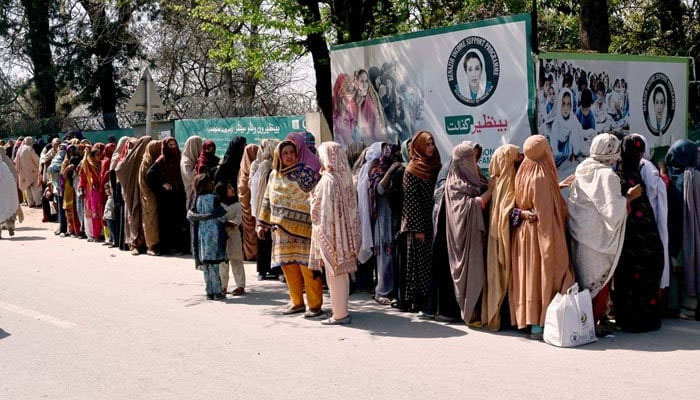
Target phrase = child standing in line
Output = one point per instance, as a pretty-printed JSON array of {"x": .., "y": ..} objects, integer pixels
[
  {"x": 108, "y": 217},
  {"x": 234, "y": 245},
  {"x": 210, "y": 237}
]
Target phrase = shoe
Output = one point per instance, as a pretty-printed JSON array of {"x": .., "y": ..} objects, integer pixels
[
  {"x": 219, "y": 296},
  {"x": 63, "y": 234},
  {"x": 280, "y": 278},
  {"x": 210, "y": 297},
  {"x": 151, "y": 253},
  {"x": 384, "y": 301},
  {"x": 261, "y": 277},
  {"x": 57, "y": 233},
  {"x": 239, "y": 291},
  {"x": 12, "y": 232},
  {"x": 449, "y": 320},
  {"x": 332, "y": 321},
  {"x": 135, "y": 252},
  {"x": 112, "y": 245},
  {"x": 90, "y": 240},
  {"x": 294, "y": 310},
  {"x": 313, "y": 313}
]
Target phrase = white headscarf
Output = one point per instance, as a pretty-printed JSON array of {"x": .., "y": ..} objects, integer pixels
[
  {"x": 373, "y": 153},
  {"x": 561, "y": 128}
]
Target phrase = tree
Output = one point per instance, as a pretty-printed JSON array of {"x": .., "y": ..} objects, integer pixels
[
  {"x": 594, "y": 25},
  {"x": 26, "y": 25}
]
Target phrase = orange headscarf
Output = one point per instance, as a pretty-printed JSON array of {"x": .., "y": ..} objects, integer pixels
[{"x": 421, "y": 165}]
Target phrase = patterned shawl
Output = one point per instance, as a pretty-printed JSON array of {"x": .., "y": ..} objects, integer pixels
[
  {"x": 336, "y": 232},
  {"x": 285, "y": 205}
]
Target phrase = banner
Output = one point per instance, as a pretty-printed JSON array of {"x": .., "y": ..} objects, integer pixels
[
  {"x": 222, "y": 130},
  {"x": 581, "y": 95},
  {"x": 466, "y": 82}
]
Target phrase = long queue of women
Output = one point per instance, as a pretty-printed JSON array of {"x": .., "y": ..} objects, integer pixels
[{"x": 422, "y": 235}]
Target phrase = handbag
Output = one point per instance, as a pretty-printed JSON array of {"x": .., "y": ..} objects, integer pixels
[{"x": 569, "y": 319}]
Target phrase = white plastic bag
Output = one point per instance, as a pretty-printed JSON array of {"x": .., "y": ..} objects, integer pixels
[{"x": 569, "y": 319}]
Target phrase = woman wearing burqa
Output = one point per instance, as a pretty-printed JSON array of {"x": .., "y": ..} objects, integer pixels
[
  {"x": 260, "y": 170},
  {"x": 540, "y": 257},
  {"x": 467, "y": 195},
  {"x": 149, "y": 202},
  {"x": 250, "y": 239},
  {"x": 166, "y": 182},
  {"x": 28, "y": 171},
  {"x": 638, "y": 274},
  {"x": 417, "y": 220},
  {"x": 188, "y": 166},
  {"x": 498, "y": 258},
  {"x": 119, "y": 234},
  {"x": 684, "y": 227},
  {"x": 128, "y": 173},
  {"x": 208, "y": 162}
]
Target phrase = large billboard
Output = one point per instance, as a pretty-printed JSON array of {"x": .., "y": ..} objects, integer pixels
[
  {"x": 467, "y": 82},
  {"x": 581, "y": 95}
]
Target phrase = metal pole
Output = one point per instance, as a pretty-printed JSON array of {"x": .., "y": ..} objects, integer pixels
[{"x": 148, "y": 103}]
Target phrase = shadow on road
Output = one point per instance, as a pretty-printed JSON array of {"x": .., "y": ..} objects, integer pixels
[
  {"x": 30, "y": 228},
  {"x": 23, "y": 238},
  {"x": 674, "y": 335},
  {"x": 379, "y": 323},
  {"x": 3, "y": 334}
]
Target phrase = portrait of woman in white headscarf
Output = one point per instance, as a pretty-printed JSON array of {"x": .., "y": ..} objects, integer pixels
[
  {"x": 657, "y": 110},
  {"x": 474, "y": 81}
]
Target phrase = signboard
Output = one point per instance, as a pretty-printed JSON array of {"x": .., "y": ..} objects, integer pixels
[
  {"x": 581, "y": 95},
  {"x": 254, "y": 129},
  {"x": 138, "y": 101},
  {"x": 466, "y": 82}
]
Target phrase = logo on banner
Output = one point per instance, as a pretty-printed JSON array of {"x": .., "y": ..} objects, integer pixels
[
  {"x": 473, "y": 70},
  {"x": 658, "y": 103}
]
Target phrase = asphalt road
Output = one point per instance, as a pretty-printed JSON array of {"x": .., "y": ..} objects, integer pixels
[{"x": 81, "y": 321}]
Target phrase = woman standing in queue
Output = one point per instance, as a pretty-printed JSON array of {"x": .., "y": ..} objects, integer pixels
[
  {"x": 684, "y": 228},
  {"x": 503, "y": 167},
  {"x": 260, "y": 171},
  {"x": 285, "y": 211},
  {"x": 597, "y": 215},
  {"x": 417, "y": 220},
  {"x": 165, "y": 179},
  {"x": 638, "y": 273},
  {"x": 467, "y": 194},
  {"x": 540, "y": 257},
  {"x": 149, "y": 203},
  {"x": 335, "y": 238}
]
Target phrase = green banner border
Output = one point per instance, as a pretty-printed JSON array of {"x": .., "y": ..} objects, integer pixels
[
  {"x": 611, "y": 57},
  {"x": 438, "y": 31}
]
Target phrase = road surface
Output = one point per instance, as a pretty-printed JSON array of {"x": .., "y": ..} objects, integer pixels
[{"x": 81, "y": 321}]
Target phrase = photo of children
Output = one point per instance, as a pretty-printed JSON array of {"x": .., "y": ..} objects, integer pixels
[
  {"x": 574, "y": 104},
  {"x": 375, "y": 104}
]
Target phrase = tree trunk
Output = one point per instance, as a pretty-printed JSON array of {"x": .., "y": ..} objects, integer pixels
[
  {"x": 316, "y": 43},
  {"x": 670, "y": 16},
  {"x": 39, "y": 51},
  {"x": 108, "y": 96},
  {"x": 594, "y": 26}
]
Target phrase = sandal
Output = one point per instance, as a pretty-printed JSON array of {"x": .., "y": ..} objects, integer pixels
[
  {"x": 384, "y": 301},
  {"x": 239, "y": 291},
  {"x": 313, "y": 313},
  {"x": 294, "y": 310},
  {"x": 332, "y": 321}
]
